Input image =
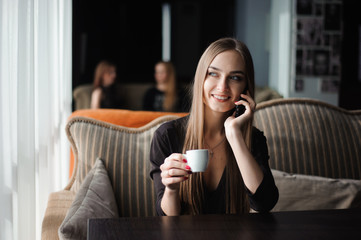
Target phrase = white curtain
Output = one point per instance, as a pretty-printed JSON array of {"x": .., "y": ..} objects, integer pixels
[{"x": 35, "y": 102}]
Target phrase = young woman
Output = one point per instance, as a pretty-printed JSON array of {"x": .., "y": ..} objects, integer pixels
[
  {"x": 104, "y": 93},
  {"x": 164, "y": 96},
  {"x": 238, "y": 175}
]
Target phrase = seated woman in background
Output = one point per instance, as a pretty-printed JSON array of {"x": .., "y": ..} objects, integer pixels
[
  {"x": 164, "y": 97},
  {"x": 104, "y": 93},
  {"x": 238, "y": 175}
]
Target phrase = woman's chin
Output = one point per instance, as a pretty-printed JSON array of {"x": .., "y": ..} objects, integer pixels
[{"x": 221, "y": 110}]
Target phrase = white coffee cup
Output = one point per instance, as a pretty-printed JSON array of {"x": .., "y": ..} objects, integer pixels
[{"x": 197, "y": 159}]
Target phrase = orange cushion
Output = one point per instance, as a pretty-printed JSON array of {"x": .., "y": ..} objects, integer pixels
[{"x": 126, "y": 118}]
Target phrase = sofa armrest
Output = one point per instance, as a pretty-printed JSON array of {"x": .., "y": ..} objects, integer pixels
[{"x": 58, "y": 205}]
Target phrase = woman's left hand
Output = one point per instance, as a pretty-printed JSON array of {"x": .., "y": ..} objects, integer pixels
[{"x": 233, "y": 123}]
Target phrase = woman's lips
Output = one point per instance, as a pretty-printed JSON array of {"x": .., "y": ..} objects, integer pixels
[{"x": 220, "y": 98}]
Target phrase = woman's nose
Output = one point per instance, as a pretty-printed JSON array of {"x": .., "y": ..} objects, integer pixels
[{"x": 222, "y": 85}]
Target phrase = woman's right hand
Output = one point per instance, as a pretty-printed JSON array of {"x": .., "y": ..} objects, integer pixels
[{"x": 174, "y": 171}]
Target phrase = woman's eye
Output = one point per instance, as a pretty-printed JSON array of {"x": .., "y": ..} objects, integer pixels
[
  {"x": 236, "y": 78},
  {"x": 212, "y": 74}
]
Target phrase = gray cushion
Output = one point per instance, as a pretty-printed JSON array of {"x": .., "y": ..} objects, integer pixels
[
  {"x": 95, "y": 199},
  {"x": 304, "y": 192}
]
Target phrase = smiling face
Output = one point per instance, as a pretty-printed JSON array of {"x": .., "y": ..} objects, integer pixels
[{"x": 225, "y": 81}]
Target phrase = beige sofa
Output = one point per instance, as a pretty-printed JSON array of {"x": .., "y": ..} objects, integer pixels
[{"x": 314, "y": 148}]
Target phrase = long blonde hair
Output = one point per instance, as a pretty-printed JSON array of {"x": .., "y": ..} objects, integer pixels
[
  {"x": 192, "y": 191},
  {"x": 170, "y": 99}
]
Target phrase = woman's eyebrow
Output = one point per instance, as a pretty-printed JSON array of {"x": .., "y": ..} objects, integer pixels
[{"x": 217, "y": 69}]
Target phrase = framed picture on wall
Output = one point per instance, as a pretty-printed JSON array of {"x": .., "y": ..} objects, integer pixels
[
  {"x": 304, "y": 62},
  {"x": 310, "y": 31},
  {"x": 336, "y": 42},
  {"x": 326, "y": 39},
  {"x": 304, "y": 7},
  {"x": 299, "y": 85},
  {"x": 332, "y": 16},
  {"x": 335, "y": 64},
  {"x": 318, "y": 8},
  {"x": 330, "y": 85},
  {"x": 321, "y": 59}
]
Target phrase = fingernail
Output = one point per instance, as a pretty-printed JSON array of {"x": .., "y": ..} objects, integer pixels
[
  {"x": 185, "y": 160},
  {"x": 186, "y": 178},
  {"x": 188, "y": 167}
]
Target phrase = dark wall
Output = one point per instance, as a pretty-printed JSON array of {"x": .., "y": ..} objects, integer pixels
[
  {"x": 118, "y": 31},
  {"x": 350, "y": 89},
  {"x": 196, "y": 24},
  {"x": 129, "y": 33}
]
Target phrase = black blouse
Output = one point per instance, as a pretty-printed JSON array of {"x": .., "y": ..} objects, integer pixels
[
  {"x": 110, "y": 98},
  {"x": 153, "y": 100},
  {"x": 169, "y": 138}
]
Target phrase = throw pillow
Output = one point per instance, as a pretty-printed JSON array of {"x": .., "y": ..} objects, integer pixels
[
  {"x": 95, "y": 199},
  {"x": 305, "y": 192}
]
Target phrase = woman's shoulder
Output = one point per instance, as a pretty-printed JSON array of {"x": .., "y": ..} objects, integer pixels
[
  {"x": 97, "y": 93},
  {"x": 174, "y": 126},
  {"x": 97, "y": 90}
]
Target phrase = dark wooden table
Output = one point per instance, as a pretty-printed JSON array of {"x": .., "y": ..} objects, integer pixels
[{"x": 325, "y": 224}]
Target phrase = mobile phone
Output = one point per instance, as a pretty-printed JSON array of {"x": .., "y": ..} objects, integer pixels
[{"x": 240, "y": 109}]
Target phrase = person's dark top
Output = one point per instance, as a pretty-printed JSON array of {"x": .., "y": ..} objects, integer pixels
[
  {"x": 153, "y": 101},
  {"x": 169, "y": 138},
  {"x": 110, "y": 98}
]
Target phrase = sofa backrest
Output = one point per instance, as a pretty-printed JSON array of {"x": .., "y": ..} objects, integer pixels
[
  {"x": 125, "y": 152},
  {"x": 121, "y": 117},
  {"x": 311, "y": 137},
  {"x": 82, "y": 96},
  {"x": 132, "y": 94}
]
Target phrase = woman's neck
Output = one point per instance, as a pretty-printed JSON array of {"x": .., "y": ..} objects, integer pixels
[
  {"x": 213, "y": 123},
  {"x": 106, "y": 85},
  {"x": 162, "y": 87}
]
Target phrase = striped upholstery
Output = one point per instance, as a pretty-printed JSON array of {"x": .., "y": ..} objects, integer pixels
[
  {"x": 125, "y": 152},
  {"x": 310, "y": 137}
]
